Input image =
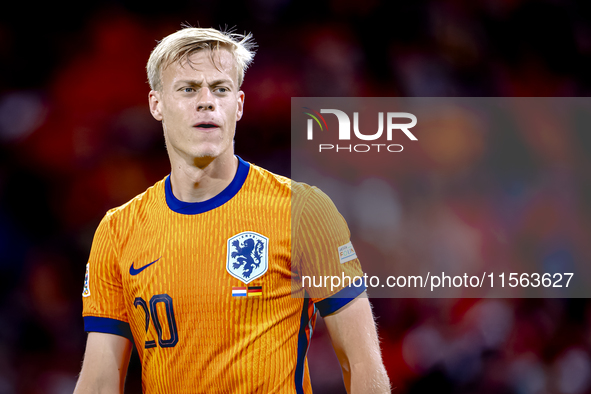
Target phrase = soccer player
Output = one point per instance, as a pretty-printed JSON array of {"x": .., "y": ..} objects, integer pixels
[{"x": 203, "y": 271}]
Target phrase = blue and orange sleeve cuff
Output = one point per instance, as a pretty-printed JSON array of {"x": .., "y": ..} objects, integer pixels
[
  {"x": 340, "y": 299},
  {"x": 107, "y": 326}
]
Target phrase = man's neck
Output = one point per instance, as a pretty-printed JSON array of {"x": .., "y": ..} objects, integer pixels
[{"x": 192, "y": 183}]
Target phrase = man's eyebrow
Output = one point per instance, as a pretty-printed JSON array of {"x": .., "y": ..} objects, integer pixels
[
  {"x": 221, "y": 81},
  {"x": 193, "y": 82}
]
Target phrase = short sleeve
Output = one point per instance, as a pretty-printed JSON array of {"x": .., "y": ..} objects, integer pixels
[
  {"x": 103, "y": 299},
  {"x": 330, "y": 270}
]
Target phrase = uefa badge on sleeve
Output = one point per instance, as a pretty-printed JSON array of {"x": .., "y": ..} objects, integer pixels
[
  {"x": 86, "y": 291},
  {"x": 247, "y": 256},
  {"x": 347, "y": 253}
]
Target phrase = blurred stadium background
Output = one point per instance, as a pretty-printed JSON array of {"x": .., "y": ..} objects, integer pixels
[{"x": 76, "y": 139}]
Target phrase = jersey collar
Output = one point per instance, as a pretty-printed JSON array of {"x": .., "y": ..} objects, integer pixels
[{"x": 193, "y": 208}]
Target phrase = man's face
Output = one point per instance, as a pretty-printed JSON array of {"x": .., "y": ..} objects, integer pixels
[{"x": 199, "y": 105}]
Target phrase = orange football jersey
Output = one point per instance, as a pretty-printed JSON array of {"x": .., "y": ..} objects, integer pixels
[{"x": 211, "y": 292}]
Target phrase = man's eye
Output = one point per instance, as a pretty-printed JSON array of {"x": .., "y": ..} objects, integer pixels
[
  {"x": 222, "y": 90},
  {"x": 188, "y": 90}
]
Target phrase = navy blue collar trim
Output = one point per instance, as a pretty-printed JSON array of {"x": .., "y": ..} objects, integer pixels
[{"x": 193, "y": 208}]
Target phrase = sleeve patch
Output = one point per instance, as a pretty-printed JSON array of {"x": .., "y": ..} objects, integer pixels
[
  {"x": 347, "y": 253},
  {"x": 86, "y": 291}
]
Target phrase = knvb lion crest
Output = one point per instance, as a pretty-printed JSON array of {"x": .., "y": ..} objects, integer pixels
[{"x": 247, "y": 256}]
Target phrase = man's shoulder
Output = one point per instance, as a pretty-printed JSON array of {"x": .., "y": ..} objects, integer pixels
[
  {"x": 302, "y": 195},
  {"x": 260, "y": 174},
  {"x": 140, "y": 202},
  {"x": 297, "y": 189}
]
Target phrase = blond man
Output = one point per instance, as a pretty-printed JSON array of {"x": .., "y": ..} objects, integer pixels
[{"x": 203, "y": 270}]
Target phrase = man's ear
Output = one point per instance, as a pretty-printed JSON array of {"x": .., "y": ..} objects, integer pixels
[
  {"x": 240, "y": 109},
  {"x": 155, "y": 104}
]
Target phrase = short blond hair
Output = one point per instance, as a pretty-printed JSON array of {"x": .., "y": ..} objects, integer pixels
[{"x": 183, "y": 43}]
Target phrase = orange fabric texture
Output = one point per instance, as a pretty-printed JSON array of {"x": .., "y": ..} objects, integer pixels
[{"x": 166, "y": 274}]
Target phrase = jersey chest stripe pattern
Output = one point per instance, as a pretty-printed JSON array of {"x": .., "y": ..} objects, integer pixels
[{"x": 191, "y": 334}]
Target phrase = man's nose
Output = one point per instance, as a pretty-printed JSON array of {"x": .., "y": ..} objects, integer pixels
[{"x": 205, "y": 100}]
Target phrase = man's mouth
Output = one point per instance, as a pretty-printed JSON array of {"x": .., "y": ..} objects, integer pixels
[{"x": 206, "y": 125}]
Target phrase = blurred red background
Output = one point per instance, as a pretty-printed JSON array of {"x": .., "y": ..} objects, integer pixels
[{"x": 76, "y": 139}]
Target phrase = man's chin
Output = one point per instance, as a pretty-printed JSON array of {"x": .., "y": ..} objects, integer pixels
[{"x": 202, "y": 159}]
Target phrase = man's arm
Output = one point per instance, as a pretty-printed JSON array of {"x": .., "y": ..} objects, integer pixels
[
  {"x": 354, "y": 338},
  {"x": 105, "y": 364}
]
